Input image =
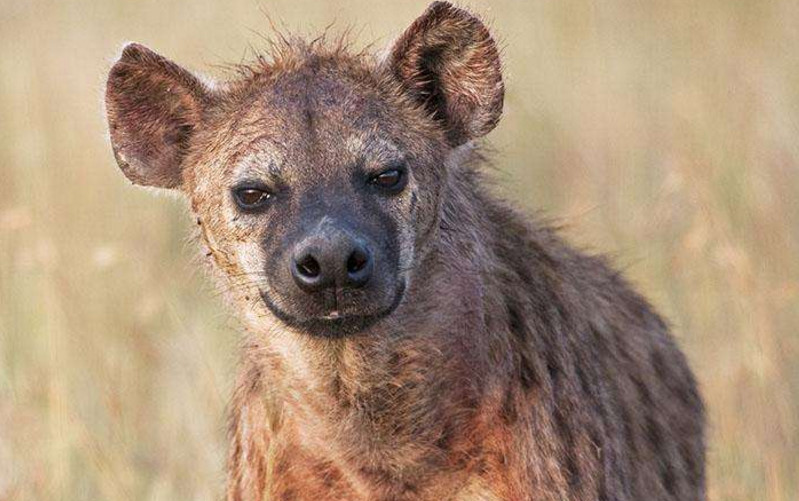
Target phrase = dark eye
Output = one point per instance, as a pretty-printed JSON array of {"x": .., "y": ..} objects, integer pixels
[
  {"x": 391, "y": 179},
  {"x": 250, "y": 198}
]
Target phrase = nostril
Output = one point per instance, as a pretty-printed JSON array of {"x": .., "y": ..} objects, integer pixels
[
  {"x": 308, "y": 267},
  {"x": 359, "y": 267},
  {"x": 357, "y": 261}
]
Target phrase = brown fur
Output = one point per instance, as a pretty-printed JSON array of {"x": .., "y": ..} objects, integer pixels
[{"x": 514, "y": 367}]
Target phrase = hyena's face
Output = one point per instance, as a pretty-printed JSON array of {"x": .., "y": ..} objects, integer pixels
[
  {"x": 317, "y": 193},
  {"x": 316, "y": 180}
]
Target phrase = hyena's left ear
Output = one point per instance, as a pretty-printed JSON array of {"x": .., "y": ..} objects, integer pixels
[
  {"x": 448, "y": 62},
  {"x": 153, "y": 106}
]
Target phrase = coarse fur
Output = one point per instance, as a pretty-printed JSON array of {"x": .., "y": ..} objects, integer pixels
[{"x": 485, "y": 359}]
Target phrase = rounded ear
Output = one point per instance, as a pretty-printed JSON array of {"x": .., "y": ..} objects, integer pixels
[
  {"x": 449, "y": 63},
  {"x": 153, "y": 108}
]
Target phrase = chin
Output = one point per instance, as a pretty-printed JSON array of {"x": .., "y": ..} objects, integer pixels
[{"x": 335, "y": 325}]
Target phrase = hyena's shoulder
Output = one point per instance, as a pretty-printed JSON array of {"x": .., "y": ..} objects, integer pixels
[{"x": 623, "y": 402}]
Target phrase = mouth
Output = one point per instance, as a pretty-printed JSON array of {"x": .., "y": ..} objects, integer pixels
[{"x": 334, "y": 323}]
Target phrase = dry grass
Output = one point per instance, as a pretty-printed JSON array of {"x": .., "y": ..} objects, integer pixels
[{"x": 663, "y": 132}]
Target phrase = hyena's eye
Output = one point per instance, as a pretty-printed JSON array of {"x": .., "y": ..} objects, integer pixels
[
  {"x": 251, "y": 198},
  {"x": 392, "y": 180}
]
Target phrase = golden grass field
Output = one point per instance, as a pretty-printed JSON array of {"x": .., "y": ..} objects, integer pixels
[{"x": 665, "y": 133}]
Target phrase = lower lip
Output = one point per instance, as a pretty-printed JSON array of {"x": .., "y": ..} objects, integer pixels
[{"x": 328, "y": 321}]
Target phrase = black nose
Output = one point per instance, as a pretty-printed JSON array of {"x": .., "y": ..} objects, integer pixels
[{"x": 331, "y": 259}]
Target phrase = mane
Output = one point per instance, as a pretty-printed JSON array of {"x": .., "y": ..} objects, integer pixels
[{"x": 284, "y": 52}]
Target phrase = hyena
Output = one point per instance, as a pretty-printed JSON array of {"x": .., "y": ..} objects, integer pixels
[{"x": 409, "y": 336}]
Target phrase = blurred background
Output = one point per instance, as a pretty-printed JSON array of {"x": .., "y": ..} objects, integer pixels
[{"x": 664, "y": 133}]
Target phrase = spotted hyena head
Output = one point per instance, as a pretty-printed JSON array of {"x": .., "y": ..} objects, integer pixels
[{"x": 316, "y": 175}]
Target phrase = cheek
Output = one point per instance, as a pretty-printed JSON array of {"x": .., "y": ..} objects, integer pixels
[
  {"x": 250, "y": 258},
  {"x": 428, "y": 179},
  {"x": 405, "y": 215},
  {"x": 407, "y": 232},
  {"x": 238, "y": 261},
  {"x": 229, "y": 238},
  {"x": 423, "y": 211},
  {"x": 244, "y": 248}
]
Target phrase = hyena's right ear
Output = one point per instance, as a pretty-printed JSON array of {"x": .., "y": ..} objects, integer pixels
[{"x": 153, "y": 107}]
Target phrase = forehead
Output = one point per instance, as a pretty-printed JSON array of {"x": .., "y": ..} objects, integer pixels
[{"x": 315, "y": 118}]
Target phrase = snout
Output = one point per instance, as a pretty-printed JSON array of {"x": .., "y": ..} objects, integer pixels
[
  {"x": 331, "y": 259},
  {"x": 334, "y": 277}
]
